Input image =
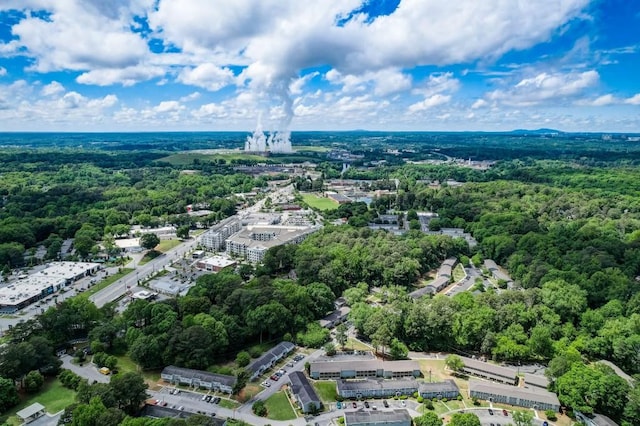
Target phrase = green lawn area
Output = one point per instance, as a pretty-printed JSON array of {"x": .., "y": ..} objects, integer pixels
[
  {"x": 326, "y": 390},
  {"x": 227, "y": 403},
  {"x": 279, "y": 408},
  {"x": 320, "y": 203},
  {"x": 53, "y": 396},
  {"x": 186, "y": 158},
  {"x": 166, "y": 245},
  {"x": 356, "y": 345},
  {"x": 309, "y": 148},
  {"x": 458, "y": 272},
  {"x": 105, "y": 283}
]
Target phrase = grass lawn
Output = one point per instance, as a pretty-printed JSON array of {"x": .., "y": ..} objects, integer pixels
[
  {"x": 326, "y": 390},
  {"x": 228, "y": 403},
  {"x": 166, "y": 245},
  {"x": 279, "y": 407},
  {"x": 105, "y": 283},
  {"x": 53, "y": 396},
  {"x": 309, "y": 148},
  {"x": 458, "y": 273},
  {"x": 186, "y": 158},
  {"x": 357, "y": 345},
  {"x": 320, "y": 203}
]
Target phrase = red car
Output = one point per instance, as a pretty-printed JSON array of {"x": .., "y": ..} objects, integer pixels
[{"x": 505, "y": 412}]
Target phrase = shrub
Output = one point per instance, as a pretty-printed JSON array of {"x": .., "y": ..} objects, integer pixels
[
  {"x": 69, "y": 379},
  {"x": 428, "y": 404},
  {"x": 445, "y": 399},
  {"x": 243, "y": 359},
  {"x": 255, "y": 352},
  {"x": 475, "y": 401},
  {"x": 420, "y": 399},
  {"x": 551, "y": 415},
  {"x": 403, "y": 397},
  {"x": 259, "y": 409},
  {"x": 459, "y": 397},
  {"x": 416, "y": 394}
]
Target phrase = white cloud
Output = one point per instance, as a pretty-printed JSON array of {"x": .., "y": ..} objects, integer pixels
[
  {"x": 634, "y": 100},
  {"x": 3, "y": 71},
  {"x": 480, "y": 103},
  {"x": 207, "y": 76},
  {"x": 211, "y": 110},
  {"x": 190, "y": 97},
  {"x": 545, "y": 87},
  {"x": 53, "y": 88},
  {"x": 168, "y": 106},
  {"x": 430, "y": 102},
  {"x": 438, "y": 83},
  {"x": 603, "y": 100},
  {"x": 126, "y": 76},
  {"x": 297, "y": 85},
  {"x": 382, "y": 82}
]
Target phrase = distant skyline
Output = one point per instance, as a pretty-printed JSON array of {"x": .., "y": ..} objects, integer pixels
[{"x": 416, "y": 65}]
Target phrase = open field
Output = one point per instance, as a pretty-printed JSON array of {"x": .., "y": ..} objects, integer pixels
[
  {"x": 53, "y": 396},
  {"x": 458, "y": 273},
  {"x": 166, "y": 245},
  {"x": 326, "y": 390},
  {"x": 320, "y": 203},
  {"x": 279, "y": 407},
  {"x": 356, "y": 345},
  {"x": 187, "y": 158},
  {"x": 309, "y": 148}
]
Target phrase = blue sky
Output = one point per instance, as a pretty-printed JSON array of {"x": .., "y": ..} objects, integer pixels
[{"x": 148, "y": 65}]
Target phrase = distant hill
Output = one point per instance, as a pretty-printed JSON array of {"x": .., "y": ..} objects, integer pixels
[{"x": 536, "y": 132}]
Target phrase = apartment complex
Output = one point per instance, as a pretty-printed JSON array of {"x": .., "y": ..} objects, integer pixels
[
  {"x": 535, "y": 398},
  {"x": 363, "y": 369}
]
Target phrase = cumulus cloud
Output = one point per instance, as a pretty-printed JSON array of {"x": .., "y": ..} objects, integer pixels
[
  {"x": 53, "y": 88},
  {"x": 3, "y": 71},
  {"x": 603, "y": 100},
  {"x": 207, "y": 76},
  {"x": 382, "y": 82},
  {"x": 126, "y": 76},
  {"x": 168, "y": 106},
  {"x": 545, "y": 87},
  {"x": 480, "y": 103},
  {"x": 430, "y": 102},
  {"x": 634, "y": 100}
]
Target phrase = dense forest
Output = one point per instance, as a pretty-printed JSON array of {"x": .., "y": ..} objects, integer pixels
[{"x": 566, "y": 230}]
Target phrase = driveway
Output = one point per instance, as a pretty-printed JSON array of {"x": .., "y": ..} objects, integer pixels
[{"x": 88, "y": 370}]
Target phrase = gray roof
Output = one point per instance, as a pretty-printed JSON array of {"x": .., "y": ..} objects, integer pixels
[
  {"x": 531, "y": 394},
  {"x": 302, "y": 388},
  {"x": 445, "y": 386},
  {"x": 336, "y": 315},
  {"x": 277, "y": 351},
  {"x": 536, "y": 380},
  {"x": 329, "y": 366},
  {"x": 432, "y": 288},
  {"x": 369, "y": 417},
  {"x": 618, "y": 371},
  {"x": 450, "y": 262},
  {"x": 360, "y": 385},
  {"x": 29, "y": 411},
  {"x": 201, "y": 375},
  {"x": 602, "y": 420},
  {"x": 494, "y": 369},
  {"x": 490, "y": 265}
]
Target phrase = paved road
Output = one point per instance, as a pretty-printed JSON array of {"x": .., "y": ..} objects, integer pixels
[{"x": 88, "y": 370}]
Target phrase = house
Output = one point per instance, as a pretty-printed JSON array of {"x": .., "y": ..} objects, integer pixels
[
  {"x": 30, "y": 413},
  {"x": 269, "y": 358},
  {"x": 497, "y": 273},
  {"x": 446, "y": 389},
  {"x": 485, "y": 370},
  {"x": 198, "y": 379},
  {"x": 304, "y": 393},
  {"x": 432, "y": 288},
  {"x": 375, "y": 418},
  {"x": 336, "y": 317},
  {"x": 537, "y": 399},
  {"x": 381, "y": 388},
  {"x": 363, "y": 369}
]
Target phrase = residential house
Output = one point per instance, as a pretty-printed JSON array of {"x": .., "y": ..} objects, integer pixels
[
  {"x": 336, "y": 317},
  {"x": 198, "y": 379},
  {"x": 269, "y": 359},
  {"x": 537, "y": 399},
  {"x": 304, "y": 393},
  {"x": 380, "y": 388},
  {"x": 485, "y": 370}
]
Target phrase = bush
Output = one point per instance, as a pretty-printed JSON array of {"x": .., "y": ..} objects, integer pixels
[
  {"x": 255, "y": 352},
  {"x": 243, "y": 359},
  {"x": 259, "y": 408},
  {"x": 445, "y": 399},
  {"x": 420, "y": 399},
  {"x": 475, "y": 401},
  {"x": 428, "y": 404},
  {"x": 69, "y": 379},
  {"x": 459, "y": 397},
  {"x": 33, "y": 381},
  {"x": 404, "y": 397},
  {"x": 416, "y": 394},
  {"x": 551, "y": 415},
  {"x": 100, "y": 358}
]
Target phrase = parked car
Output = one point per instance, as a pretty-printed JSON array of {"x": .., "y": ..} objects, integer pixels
[
  {"x": 366, "y": 404},
  {"x": 385, "y": 403},
  {"x": 505, "y": 412},
  {"x": 403, "y": 403},
  {"x": 204, "y": 397},
  {"x": 354, "y": 404},
  {"x": 216, "y": 400},
  {"x": 208, "y": 398},
  {"x": 490, "y": 412}
]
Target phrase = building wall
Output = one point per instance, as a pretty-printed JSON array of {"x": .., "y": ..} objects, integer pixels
[{"x": 514, "y": 400}]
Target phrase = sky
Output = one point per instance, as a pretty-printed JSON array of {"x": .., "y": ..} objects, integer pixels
[{"x": 215, "y": 65}]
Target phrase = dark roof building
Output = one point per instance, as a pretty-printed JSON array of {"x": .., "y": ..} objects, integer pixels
[
  {"x": 432, "y": 288},
  {"x": 522, "y": 397},
  {"x": 363, "y": 369},
  {"x": 535, "y": 380},
  {"x": 305, "y": 394},
  {"x": 594, "y": 419},
  {"x": 446, "y": 389},
  {"x": 474, "y": 367},
  {"x": 198, "y": 378},
  {"x": 376, "y": 388},
  {"x": 374, "y": 418},
  {"x": 336, "y": 317},
  {"x": 269, "y": 358}
]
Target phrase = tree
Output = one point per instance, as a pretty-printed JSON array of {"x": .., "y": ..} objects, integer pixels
[
  {"x": 33, "y": 381},
  {"x": 8, "y": 394},
  {"x": 147, "y": 352},
  {"x": 243, "y": 359},
  {"x": 259, "y": 409},
  {"x": 242, "y": 377},
  {"x": 183, "y": 232},
  {"x": 522, "y": 418},
  {"x": 454, "y": 363},
  {"x": 341, "y": 334},
  {"x": 149, "y": 241},
  {"x": 428, "y": 419},
  {"x": 88, "y": 414},
  {"x": 329, "y": 349},
  {"x": 464, "y": 419},
  {"x": 398, "y": 350},
  {"x": 130, "y": 391},
  {"x": 103, "y": 391}
]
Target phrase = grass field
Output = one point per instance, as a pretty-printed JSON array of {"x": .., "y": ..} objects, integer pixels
[
  {"x": 53, "y": 396},
  {"x": 279, "y": 407},
  {"x": 126, "y": 364},
  {"x": 356, "y": 345},
  {"x": 458, "y": 273},
  {"x": 227, "y": 403},
  {"x": 326, "y": 390},
  {"x": 166, "y": 245},
  {"x": 105, "y": 283},
  {"x": 320, "y": 203},
  {"x": 309, "y": 148}
]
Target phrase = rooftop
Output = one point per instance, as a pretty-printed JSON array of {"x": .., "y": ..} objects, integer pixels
[
  {"x": 494, "y": 369},
  {"x": 371, "y": 417},
  {"x": 365, "y": 365},
  {"x": 391, "y": 384},
  {"x": 217, "y": 261},
  {"x": 302, "y": 388},
  {"x": 445, "y": 386},
  {"x": 200, "y": 375},
  {"x": 275, "y": 352},
  {"x": 531, "y": 394},
  {"x": 29, "y": 411}
]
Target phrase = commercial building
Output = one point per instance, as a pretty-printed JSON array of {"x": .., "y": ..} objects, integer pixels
[
  {"x": 214, "y": 263},
  {"x": 31, "y": 288},
  {"x": 485, "y": 370},
  {"x": 198, "y": 379},
  {"x": 253, "y": 242},
  {"x": 269, "y": 358},
  {"x": 380, "y": 388},
  {"x": 439, "y": 390},
  {"x": 377, "y": 418},
  {"x": 215, "y": 238},
  {"x": 304, "y": 393},
  {"x": 363, "y": 369},
  {"x": 522, "y": 397}
]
